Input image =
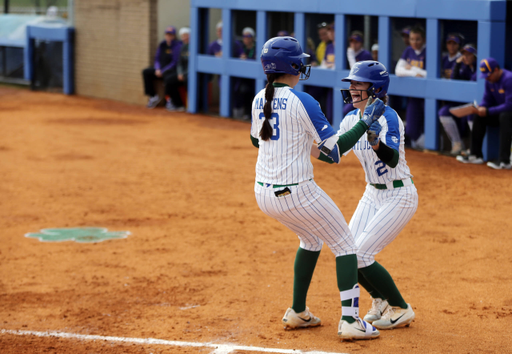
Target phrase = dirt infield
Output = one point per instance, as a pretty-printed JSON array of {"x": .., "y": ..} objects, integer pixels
[{"x": 202, "y": 263}]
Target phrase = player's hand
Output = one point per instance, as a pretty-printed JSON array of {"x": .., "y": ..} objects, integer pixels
[
  {"x": 459, "y": 59},
  {"x": 329, "y": 148},
  {"x": 373, "y": 133},
  {"x": 158, "y": 73},
  {"x": 180, "y": 77},
  {"x": 482, "y": 111},
  {"x": 408, "y": 66},
  {"x": 373, "y": 112}
]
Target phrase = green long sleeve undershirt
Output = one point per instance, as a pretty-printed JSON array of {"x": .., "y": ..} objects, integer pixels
[{"x": 387, "y": 155}]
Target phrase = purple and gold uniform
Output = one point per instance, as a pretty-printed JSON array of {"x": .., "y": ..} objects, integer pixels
[
  {"x": 167, "y": 55},
  {"x": 166, "y": 60},
  {"x": 215, "y": 48},
  {"x": 447, "y": 65},
  {"x": 498, "y": 101},
  {"x": 415, "y": 113}
]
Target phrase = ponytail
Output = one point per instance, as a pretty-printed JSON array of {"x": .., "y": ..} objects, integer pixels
[{"x": 266, "y": 130}]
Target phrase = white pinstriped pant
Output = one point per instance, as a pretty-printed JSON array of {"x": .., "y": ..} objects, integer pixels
[
  {"x": 379, "y": 217},
  {"x": 311, "y": 214}
]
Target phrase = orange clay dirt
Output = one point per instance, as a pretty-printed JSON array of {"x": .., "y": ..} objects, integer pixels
[{"x": 202, "y": 263}]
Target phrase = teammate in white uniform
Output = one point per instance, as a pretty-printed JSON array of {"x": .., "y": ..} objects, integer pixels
[
  {"x": 284, "y": 124},
  {"x": 390, "y": 199}
]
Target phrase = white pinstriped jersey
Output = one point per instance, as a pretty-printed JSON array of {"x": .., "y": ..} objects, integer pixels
[
  {"x": 297, "y": 120},
  {"x": 392, "y": 134}
]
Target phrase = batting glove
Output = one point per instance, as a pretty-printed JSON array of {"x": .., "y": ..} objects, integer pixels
[
  {"x": 373, "y": 112},
  {"x": 373, "y": 133}
]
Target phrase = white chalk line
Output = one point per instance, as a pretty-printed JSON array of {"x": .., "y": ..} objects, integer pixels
[{"x": 219, "y": 348}]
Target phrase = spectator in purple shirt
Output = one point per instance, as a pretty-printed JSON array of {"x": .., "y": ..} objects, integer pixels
[
  {"x": 166, "y": 59},
  {"x": 215, "y": 47},
  {"x": 175, "y": 102},
  {"x": 355, "y": 53},
  {"x": 453, "y": 43},
  {"x": 495, "y": 110},
  {"x": 355, "y": 50},
  {"x": 463, "y": 69},
  {"x": 413, "y": 64},
  {"x": 243, "y": 88}
]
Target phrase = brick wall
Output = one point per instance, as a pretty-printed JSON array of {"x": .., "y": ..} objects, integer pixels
[{"x": 115, "y": 40}]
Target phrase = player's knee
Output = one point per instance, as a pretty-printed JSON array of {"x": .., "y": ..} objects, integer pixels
[
  {"x": 311, "y": 245},
  {"x": 364, "y": 260}
]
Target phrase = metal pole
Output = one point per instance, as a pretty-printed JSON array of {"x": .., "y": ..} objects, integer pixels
[
  {"x": 71, "y": 13},
  {"x": 6, "y": 6}
]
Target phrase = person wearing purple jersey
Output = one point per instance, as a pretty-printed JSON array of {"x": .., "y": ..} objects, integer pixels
[
  {"x": 328, "y": 60},
  {"x": 355, "y": 50},
  {"x": 285, "y": 122},
  {"x": 244, "y": 88},
  {"x": 453, "y": 43},
  {"x": 355, "y": 53},
  {"x": 166, "y": 59},
  {"x": 175, "y": 102},
  {"x": 495, "y": 109},
  {"x": 390, "y": 199},
  {"x": 215, "y": 47},
  {"x": 463, "y": 69},
  {"x": 413, "y": 64}
]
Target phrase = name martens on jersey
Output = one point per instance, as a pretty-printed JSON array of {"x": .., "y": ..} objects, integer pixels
[{"x": 277, "y": 103}]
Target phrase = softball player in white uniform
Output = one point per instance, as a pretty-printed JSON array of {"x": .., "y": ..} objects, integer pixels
[
  {"x": 390, "y": 199},
  {"x": 284, "y": 124}
]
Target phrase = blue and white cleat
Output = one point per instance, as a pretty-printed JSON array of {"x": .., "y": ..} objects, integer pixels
[{"x": 358, "y": 330}]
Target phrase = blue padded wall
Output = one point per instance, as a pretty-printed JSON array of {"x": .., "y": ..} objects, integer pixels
[{"x": 490, "y": 17}]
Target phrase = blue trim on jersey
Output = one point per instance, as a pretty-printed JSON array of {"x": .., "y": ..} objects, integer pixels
[
  {"x": 352, "y": 112},
  {"x": 322, "y": 125},
  {"x": 393, "y": 128}
]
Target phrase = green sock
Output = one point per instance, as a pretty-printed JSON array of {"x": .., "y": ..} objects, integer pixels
[
  {"x": 346, "y": 273},
  {"x": 305, "y": 263},
  {"x": 380, "y": 279},
  {"x": 368, "y": 287}
]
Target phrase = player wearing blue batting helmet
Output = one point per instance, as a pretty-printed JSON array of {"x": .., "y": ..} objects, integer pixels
[
  {"x": 368, "y": 71},
  {"x": 283, "y": 55}
]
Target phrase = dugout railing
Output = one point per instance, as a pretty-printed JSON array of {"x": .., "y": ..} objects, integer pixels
[{"x": 488, "y": 16}]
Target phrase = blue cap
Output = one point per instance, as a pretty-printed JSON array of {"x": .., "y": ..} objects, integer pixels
[{"x": 170, "y": 30}]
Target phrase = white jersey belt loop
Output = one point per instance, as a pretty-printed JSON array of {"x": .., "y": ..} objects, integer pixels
[{"x": 394, "y": 184}]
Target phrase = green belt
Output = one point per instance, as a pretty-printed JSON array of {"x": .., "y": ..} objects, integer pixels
[
  {"x": 280, "y": 185},
  {"x": 396, "y": 184}
]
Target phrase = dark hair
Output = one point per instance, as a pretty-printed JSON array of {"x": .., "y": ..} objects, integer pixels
[
  {"x": 419, "y": 30},
  {"x": 266, "y": 130}
]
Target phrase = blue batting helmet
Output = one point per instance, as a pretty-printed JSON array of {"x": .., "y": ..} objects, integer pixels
[
  {"x": 373, "y": 72},
  {"x": 283, "y": 55}
]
